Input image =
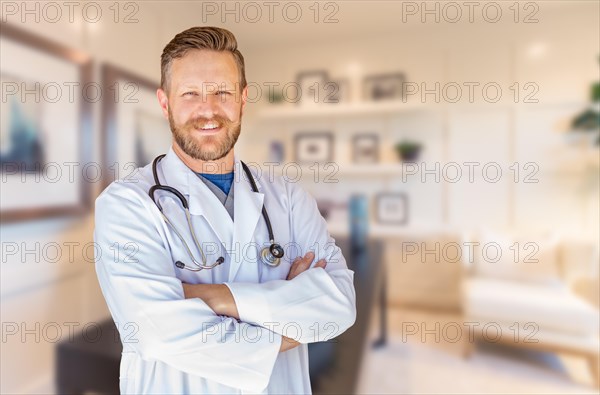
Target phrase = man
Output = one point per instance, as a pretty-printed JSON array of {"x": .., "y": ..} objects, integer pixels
[{"x": 242, "y": 326}]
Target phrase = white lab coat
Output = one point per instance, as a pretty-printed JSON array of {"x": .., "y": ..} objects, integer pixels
[{"x": 174, "y": 345}]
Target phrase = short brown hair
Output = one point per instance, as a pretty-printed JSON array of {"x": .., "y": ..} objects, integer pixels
[{"x": 200, "y": 37}]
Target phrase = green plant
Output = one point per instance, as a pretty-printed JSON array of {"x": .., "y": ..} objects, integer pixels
[
  {"x": 589, "y": 119},
  {"x": 275, "y": 96},
  {"x": 408, "y": 150}
]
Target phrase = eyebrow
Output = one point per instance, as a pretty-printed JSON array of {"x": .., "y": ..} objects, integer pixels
[{"x": 223, "y": 86}]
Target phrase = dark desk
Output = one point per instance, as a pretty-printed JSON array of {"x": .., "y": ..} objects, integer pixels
[
  {"x": 91, "y": 364},
  {"x": 342, "y": 374}
]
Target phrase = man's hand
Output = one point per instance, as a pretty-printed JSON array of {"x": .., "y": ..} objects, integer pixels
[
  {"x": 219, "y": 299},
  {"x": 287, "y": 344},
  {"x": 301, "y": 264}
]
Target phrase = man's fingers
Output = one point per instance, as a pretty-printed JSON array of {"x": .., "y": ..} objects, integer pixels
[
  {"x": 301, "y": 264},
  {"x": 321, "y": 263},
  {"x": 296, "y": 262},
  {"x": 294, "y": 268}
]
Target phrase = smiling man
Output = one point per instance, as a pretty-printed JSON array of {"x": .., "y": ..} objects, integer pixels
[{"x": 230, "y": 277}]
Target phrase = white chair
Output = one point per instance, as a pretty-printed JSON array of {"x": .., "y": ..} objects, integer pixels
[{"x": 532, "y": 304}]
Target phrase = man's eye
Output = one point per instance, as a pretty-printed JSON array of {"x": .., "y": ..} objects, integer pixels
[
  {"x": 190, "y": 94},
  {"x": 222, "y": 93}
]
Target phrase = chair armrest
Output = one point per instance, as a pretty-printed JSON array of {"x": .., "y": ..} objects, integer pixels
[{"x": 587, "y": 288}]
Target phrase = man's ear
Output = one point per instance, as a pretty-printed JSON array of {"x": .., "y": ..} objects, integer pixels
[
  {"x": 163, "y": 101},
  {"x": 244, "y": 98}
]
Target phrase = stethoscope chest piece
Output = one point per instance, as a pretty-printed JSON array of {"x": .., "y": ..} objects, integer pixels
[{"x": 271, "y": 256}]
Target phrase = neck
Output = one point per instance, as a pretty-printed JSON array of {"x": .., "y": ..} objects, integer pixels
[{"x": 219, "y": 166}]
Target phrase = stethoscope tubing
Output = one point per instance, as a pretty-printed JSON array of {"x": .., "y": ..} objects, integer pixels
[{"x": 269, "y": 257}]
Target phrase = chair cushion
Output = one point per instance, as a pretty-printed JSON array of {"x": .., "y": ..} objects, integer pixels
[
  {"x": 516, "y": 258},
  {"x": 553, "y": 308}
]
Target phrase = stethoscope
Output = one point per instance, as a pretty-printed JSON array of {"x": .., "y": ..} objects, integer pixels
[{"x": 270, "y": 256}]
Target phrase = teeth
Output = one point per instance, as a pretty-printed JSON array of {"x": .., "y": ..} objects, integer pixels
[{"x": 210, "y": 126}]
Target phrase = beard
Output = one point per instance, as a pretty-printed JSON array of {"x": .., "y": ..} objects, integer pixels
[{"x": 210, "y": 147}]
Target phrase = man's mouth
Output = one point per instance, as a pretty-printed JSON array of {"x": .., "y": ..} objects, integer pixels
[{"x": 209, "y": 127}]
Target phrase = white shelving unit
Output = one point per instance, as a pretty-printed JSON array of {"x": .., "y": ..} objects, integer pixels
[
  {"x": 335, "y": 112},
  {"x": 286, "y": 111},
  {"x": 335, "y": 179}
]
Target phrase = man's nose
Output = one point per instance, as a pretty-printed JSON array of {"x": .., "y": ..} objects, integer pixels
[{"x": 208, "y": 106}]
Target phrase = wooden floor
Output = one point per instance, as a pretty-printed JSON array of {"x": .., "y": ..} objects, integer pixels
[{"x": 419, "y": 363}]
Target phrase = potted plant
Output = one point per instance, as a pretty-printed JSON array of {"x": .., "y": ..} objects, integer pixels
[
  {"x": 587, "y": 122},
  {"x": 408, "y": 151}
]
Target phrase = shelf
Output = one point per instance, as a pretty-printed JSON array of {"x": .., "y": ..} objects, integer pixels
[
  {"x": 341, "y": 109},
  {"x": 289, "y": 111},
  {"x": 388, "y": 169},
  {"x": 341, "y": 228},
  {"x": 332, "y": 170}
]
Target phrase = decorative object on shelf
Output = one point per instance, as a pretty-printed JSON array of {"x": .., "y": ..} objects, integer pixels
[
  {"x": 391, "y": 208},
  {"x": 337, "y": 91},
  {"x": 359, "y": 222},
  {"x": 365, "y": 148},
  {"x": 408, "y": 151},
  {"x": 313, "y": 147},
  {"x": 275, "y": 96},
  {"x": 384, "y": 86},
  {"x": 276, "y": 151},
  {"x": 36, "y": 124},
  {"x": 312, "y": 87},
  {"x": 588, "y": 121},
  {"x": 134, "y": 130}
]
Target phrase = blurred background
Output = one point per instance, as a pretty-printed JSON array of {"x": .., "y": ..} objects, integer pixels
[{"x": 453, "y": 148}]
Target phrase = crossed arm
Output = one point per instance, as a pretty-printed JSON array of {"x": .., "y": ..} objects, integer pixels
[{"x": 220, "y": 299}]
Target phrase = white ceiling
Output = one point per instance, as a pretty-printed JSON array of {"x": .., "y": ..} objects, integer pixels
[{"x": 355, "y": 20}]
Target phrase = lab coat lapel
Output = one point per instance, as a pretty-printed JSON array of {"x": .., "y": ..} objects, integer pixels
[
  {"x": 202, "y": 201},
  {"x": 247, "y": 209}
]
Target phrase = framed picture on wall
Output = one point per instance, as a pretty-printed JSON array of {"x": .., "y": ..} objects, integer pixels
[
  {"x": 337, "y": 91},
  {"x": 313, "y": 147},
  {"x": 388, "y": 86},
  {"x": 134, "y": 130},
  {"x": 45, "y": 132},
  {"x": 391, "y": 208},
  {"x": 365, "y": 148},
  {"x": 312, "y": 87}
]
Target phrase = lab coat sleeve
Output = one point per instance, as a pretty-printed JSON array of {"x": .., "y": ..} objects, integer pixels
[
  {"x": 139, "y": 284},
  {"x": 316, "y": 305}
]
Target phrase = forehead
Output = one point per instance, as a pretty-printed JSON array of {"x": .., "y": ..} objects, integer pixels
[{"x": 202, "y": 65}]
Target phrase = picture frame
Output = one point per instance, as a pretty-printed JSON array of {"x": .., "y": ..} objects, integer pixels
[
  {"x": 337, "y": 91},
  {"x": 388, "y": 86},
  {"x": 276, "y": 151},
  {"x": 365, "y": 148},
  {"x": 391, "y": 208},
  {"x": 312, "y": 87},
  {"x": 43, "y": 175},
  {"x": 313, "y": 147},
  {"x": 134, "y": 130}
]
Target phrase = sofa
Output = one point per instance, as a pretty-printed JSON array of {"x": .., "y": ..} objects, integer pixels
[{"x": 540, "y": 292}]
